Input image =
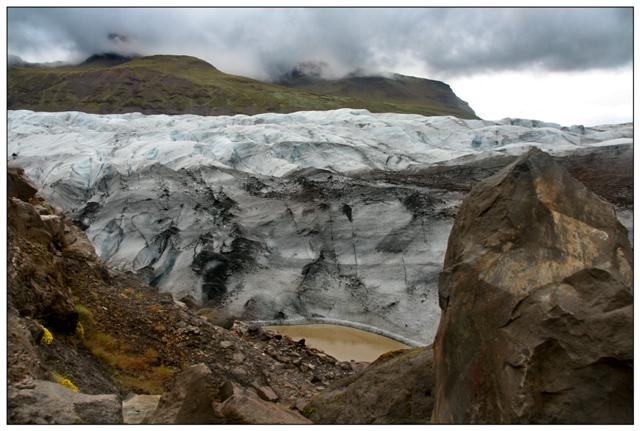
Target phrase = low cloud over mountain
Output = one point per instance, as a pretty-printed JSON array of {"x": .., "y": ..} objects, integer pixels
[{"x": 264, "y": 43}]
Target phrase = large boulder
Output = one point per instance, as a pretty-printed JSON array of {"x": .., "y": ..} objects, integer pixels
[
  {"x": 244, "y": 406},
  {"x": 395, "y": 389},
  {"x": 190, "y": 400},
  {"x": 44, "y": 402},
  {"x": 537, "y": 319},
  {"x": 138, "y": 409}
]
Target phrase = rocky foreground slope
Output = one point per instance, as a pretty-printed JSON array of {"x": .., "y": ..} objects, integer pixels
[
  {"x": 313, "y": 216},
  {"x": 82, "y": 339}
]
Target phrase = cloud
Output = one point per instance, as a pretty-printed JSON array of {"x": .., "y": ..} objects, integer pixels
[
  {"x": 589, "y": 98},
  {"x": 264, "y": 43}
]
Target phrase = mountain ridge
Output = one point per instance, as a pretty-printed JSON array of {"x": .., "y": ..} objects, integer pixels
[
  {"x": 380, "y": 87},
  {"x": 172, "y": 84}
]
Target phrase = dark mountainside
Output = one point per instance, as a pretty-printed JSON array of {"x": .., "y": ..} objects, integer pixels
[
  {"x": 170, "y": 84},
  {"x": 106, "y": 60},
  {"x": 406, "y": 90}
]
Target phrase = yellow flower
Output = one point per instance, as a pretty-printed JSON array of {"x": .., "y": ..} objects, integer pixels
[
  {"x": 64, "y": 382},
  {"x": 80, "y": 330},
  {"x": 47, "y": 336}
]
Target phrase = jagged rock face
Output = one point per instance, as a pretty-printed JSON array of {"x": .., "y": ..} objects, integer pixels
[
  {"x": 43, "y": 402},
  {"x": 36, "y": 285},
  {"x": 18, "y": 185},
  {"x": 537, "y": 321},
  {"x": 395, "y": 389}
]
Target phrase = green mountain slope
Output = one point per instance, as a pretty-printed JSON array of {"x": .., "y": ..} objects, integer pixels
[
  {"x": 164, "y": 84},
  {"x": 410, "y": 92}
]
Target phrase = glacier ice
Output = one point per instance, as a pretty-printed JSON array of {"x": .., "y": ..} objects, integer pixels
[
  {"x": 343, "y": 140},
  {"x": 250, "y": 212}
]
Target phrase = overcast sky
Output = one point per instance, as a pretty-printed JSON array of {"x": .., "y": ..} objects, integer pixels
[{"x": 564, "y": 65}]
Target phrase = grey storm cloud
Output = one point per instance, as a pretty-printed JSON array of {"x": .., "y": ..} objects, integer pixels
[{"x": 264, "y": 43}]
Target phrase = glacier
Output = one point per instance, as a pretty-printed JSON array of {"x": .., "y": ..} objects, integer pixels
[{"x": 321, "y": 215}]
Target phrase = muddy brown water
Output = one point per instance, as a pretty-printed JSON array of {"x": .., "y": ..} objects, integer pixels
[{"x": 341, "y": 342}]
